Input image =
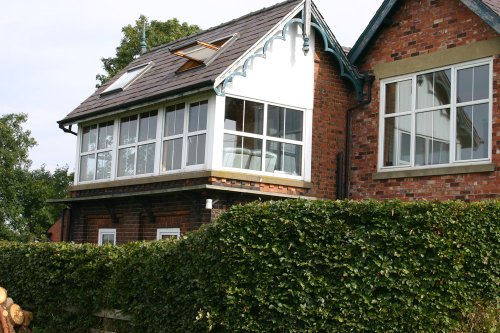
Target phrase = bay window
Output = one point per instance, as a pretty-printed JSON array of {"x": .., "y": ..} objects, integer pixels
[
  {"x": 262, "y": 137},
  {"x": 436, "y": 118},
  {"x": 96, "y": 150}
]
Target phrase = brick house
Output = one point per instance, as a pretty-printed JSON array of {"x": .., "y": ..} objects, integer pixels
[{"x": 270, "y": 106}]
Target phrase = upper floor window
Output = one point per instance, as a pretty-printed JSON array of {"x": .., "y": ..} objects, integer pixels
[
  {"x": 145, "y": 143},
  {"x": 262, "y": 137},
  {"x": 436, "y": 118},
  {"x": 95, "y": 153},
  {"x": 136, "y": 151},
  {"x": 184, "y": 128}
]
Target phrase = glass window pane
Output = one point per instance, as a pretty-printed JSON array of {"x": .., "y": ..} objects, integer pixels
[
  {"x": 481, "y": 82},
  {"x": 254, "y": 117},
  {"x": 108, "y": 239},
  {"x": 87, "y": 167},
  {"x": 200, "y": 150},
  {"x": 233, "y": 119},
  {"x": 464, "y": 85},
  {"x": 275, "y": 121},
  {"x": 472, "y": 132},
  {"x": 147, "y": 126},
  {"x": 254, "y": 148},
  {"x": 105, "y": 135},
  {"x": 202, "y": 122},
  {"x": 128, "y": 130},
  {"x": 293, "y": 125},
  {"x": 397, "y": 141},
  {"x": 174, "y": 120},
  {"x": 198, "y": 116},
  {"x": 398, "y": 97},
  {"x": 103, "y": 165},
  {"x": 196, "y": 149},
  {"x": 283, "y": 158},
  {"x": 145, "y": 159},
  {"x": 242, "y": 152},
  {"x": 89, "y": 136},
  {"x": 480, "y": 131},
  {"x": 404, "y": 96},
  {"x": 172, "y": 154},
  {"x": 433, "y": 89},
  {"x": 126, "y": 159},
  {"x": 432, "y": 137}
]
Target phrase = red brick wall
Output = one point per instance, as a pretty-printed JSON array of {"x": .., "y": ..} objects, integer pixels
[
  {"x": 421, "y": 27},
  {"x": 332, "y": 97}
]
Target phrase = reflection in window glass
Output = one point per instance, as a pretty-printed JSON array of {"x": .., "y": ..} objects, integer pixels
[
  {"x": 128, "y": 130},
  {"x": 398, "y": 97},
  {"x": 244, "y": 116},
  {"x": 172, "y": 154},
  {"x": 103, "y": 165},
  {"x": 89, "y": 136},
  {"x": 284, "y": 157},
  {"x": 105, "y": 135},
  {"x": 472, "y": 132},
  {"x": 87, "y": 167},
  {"x": 196, "y": 149},
  {"x": 126, "y": 159},
  {"x": 284, "y": 123},
  {"x": 432, "y": 137},
  {"x": 145, "y": 159},
  {"x": 147, "y": 126},
  {"x": 197, "y": 116},
  {"x": 397, "y": 141},
  {"x": 433, "y": 89},
  {"x": 242, "y": 152},
  {"x": 174, "y": 120}
]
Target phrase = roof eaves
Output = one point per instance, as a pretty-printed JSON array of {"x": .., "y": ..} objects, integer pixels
[
  {"x": 482, "y": 10},
  {"x": 148, "y": 100},
  {"x": 370, "y": 30}
]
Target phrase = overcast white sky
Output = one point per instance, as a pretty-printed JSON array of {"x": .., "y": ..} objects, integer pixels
[{"x": 51, "y": 52}]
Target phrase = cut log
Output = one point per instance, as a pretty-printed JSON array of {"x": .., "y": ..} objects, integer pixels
[
  {"x": 8, "y": 303},
  {"x": 6, "y": 325},
  {"x": 3, "y": 295},
  {"x": 28, "y": 317},
  {"x": 16, "y": 314}
]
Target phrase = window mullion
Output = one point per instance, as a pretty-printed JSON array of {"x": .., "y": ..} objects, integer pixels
[
  {"x": 413, "y": 120},
  {"x": 185, "y": 135},
  {"x": 453, "y": 116},
  {"x": 264, "y": 139}
]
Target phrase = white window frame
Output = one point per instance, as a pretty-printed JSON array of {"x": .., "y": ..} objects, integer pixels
[
  {"x": 159, "y": 140},
  {"x": 137, "y": 143},
  {"x": 168, "y": 232},
  {"x": 264, "y": 137},
  {"x": 453, "y": 109},
  {"x": 106, "y": 231}
]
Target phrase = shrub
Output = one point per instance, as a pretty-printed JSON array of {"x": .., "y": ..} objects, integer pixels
[{"x": 293, "y": 266}]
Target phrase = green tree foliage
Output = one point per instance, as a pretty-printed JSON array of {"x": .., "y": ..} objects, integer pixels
[
  {"x": 157, "y": 33},
  {"x": 287, "y": 266},
  {"x": 24, "y": 211}
]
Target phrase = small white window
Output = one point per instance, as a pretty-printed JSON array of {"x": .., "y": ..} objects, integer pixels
[
  {"x": 127, "y": 78},
  {"x": 107, "y": 236},
  {"x": 165, "y": 233}
]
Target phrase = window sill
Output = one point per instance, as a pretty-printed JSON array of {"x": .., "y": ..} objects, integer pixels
[{"x": 450, "y": 170}]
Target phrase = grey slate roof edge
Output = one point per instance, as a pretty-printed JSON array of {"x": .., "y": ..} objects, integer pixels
[
  {"x": 77, "y": 117},
  {"x": 482, "y": 10}
]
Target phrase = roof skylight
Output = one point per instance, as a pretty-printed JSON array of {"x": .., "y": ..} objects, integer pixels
[
  {"x": 127, "y": 78},
  {"x": 201, "y": 53}
]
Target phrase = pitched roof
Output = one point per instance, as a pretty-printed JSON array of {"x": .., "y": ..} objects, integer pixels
[
  {"x": 487, "y": 10},
  {"x": 162, "y": 79}
]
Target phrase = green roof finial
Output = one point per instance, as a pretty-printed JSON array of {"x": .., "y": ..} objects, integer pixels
[{"x": 144, "y": 47}]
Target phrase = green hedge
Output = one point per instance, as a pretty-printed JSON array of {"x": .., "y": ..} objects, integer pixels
[{"x": 287, "y": 266}]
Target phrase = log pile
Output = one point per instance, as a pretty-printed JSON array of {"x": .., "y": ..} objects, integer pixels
[{"x": 13, "y": 319}]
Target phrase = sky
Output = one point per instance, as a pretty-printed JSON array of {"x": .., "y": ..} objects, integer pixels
[{"x": 51, "y": 52}]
